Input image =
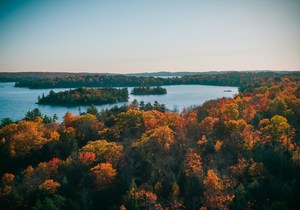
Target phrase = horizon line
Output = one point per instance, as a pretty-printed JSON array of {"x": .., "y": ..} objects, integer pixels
[{"x": 149, "y": 72}]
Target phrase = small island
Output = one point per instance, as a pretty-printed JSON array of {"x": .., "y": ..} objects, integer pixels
[
  {"x": 85, "y": 96},
  {"x": 148, "y": 91}
]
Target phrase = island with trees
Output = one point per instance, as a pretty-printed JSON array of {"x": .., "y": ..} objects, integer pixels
[
  {"x": 85, "y": 96},
  {"x": 149, "y": 90}
]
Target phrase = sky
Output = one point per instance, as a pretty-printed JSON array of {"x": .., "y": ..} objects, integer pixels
[{"x": 128, "y": 36}]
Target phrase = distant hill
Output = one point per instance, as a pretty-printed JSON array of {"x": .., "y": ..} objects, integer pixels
[
  {"x": 187, "y": 73},
  {"x": 172, "y": 74},
  {"x": 18, "y": 76}
]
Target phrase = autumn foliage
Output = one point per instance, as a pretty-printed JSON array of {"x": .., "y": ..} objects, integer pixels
[{"x": 229, "y": 153}]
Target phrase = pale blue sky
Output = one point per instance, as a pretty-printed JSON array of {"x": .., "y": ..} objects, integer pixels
[{"x": 121, "y": 36}]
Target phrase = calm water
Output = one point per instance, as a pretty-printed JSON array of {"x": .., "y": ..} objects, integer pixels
[{"x": 15, "y": 102}]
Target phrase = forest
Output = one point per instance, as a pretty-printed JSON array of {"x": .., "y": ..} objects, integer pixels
[
  {"x": 21, "y": 76},
  {"x": 240, "y": 79},
  {"x": 18, "y": 76},
  {"x": 90, "y": 81},
  {"x": 85, "y": 96},
  {"x": 229, "y": 153},
  {"x": 149, "y": 91}
]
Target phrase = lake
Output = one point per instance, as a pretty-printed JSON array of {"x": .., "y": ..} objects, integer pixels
[{"x": 15, "y": 102}]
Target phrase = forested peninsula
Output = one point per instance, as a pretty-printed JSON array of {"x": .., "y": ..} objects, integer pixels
[
  {"x": 246, "y": 81},
  {"x": 85, "y": 96}
]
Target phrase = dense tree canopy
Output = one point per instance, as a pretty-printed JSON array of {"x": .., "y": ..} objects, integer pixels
[{"x": 238, "y": 153}]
